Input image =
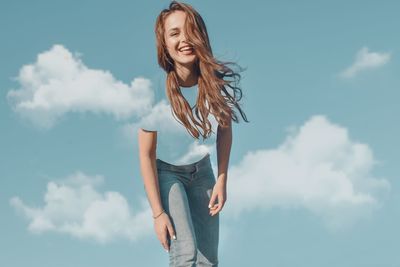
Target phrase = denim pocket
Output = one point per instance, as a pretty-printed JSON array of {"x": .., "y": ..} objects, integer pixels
[
  {"x": 210, "y": 174},
  {"x": 165, "y": 176},
  {"x": 208, "y": 178}
]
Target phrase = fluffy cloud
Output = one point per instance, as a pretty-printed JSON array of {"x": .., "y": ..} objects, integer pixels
[
  {"x": 59, "y": 82},
  {"x": 366, "y": 60},
  {"x": 317, "y": 168},
  {"x": 74, "y": 206},
  {"x": 194, "y": 151}
]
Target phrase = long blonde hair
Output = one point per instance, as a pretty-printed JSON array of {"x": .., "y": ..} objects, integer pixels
[{"x": 211, "y": 75}]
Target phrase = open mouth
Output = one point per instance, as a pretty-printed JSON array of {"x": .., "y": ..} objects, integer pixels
[{"x": 186, "y": 50}]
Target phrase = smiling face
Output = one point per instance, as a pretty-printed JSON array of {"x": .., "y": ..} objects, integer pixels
[{"x": 181, "y": 52}]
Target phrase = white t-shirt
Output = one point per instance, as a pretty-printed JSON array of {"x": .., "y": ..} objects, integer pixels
[{"x": 175, "y": 145}]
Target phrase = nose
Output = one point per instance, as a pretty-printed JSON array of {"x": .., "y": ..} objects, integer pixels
[{"x": 184, "y": 38}]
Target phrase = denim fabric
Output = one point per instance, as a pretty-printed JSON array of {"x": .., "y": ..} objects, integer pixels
[{"x": 185, "y": 194}]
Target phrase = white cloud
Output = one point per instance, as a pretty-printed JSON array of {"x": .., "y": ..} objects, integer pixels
[
  {"x": 159, "y": 117},
  {"x": 74, "y": 206},
  {"x": 59, "y": 82},
  {"x": 317, "y": 168},
  {"x": 366, "y": 60},
  {"x": 194, "y": 151}
]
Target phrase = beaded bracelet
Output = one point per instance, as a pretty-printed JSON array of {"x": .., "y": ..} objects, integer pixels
[{"x": 155, "y": 217}]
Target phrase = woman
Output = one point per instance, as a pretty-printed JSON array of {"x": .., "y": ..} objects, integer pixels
[{"x": 185, "y": 197}]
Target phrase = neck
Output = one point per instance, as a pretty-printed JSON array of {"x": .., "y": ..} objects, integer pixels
[{"x": 187, "y": 77}]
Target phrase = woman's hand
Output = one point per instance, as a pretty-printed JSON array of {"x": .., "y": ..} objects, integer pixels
[
  {"x": 164, "y": 230},
  {"x": 218, "y": 193}
]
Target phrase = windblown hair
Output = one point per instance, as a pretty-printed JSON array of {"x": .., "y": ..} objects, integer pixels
[{"x": 213, "y": 75}]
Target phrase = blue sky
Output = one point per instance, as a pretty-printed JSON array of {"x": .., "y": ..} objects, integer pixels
[{"x": 313, "y": 178}]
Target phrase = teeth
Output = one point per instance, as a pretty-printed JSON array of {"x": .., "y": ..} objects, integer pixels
[{"x": 186, "y": 49}]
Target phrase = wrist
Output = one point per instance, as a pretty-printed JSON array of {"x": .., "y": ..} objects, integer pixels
[
  {"x": 158, "y": 214},
  {"x": 222, "y": 176}
]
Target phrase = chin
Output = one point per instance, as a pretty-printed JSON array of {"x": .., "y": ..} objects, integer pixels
[{"x": 188, "y": 61}]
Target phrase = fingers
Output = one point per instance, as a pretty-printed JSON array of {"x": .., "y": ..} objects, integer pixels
[
  {"x": 167, "y": 234},
  {"x": 212, "y": 200},
  {"x": 165, "y": 244},
  {"x": 217, "y": 207},
  {"x": 164, "y": 240},
  {"x": 171, "y": 231}
]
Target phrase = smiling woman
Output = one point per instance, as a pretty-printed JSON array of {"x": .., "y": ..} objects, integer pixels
[{"x": 182, "y": 197}]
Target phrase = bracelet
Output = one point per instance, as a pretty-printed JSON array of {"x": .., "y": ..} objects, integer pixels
[{"x": 155, "y": 217}]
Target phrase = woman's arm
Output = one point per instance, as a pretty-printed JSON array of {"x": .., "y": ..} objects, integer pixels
[
  {"x": 224, "y": 143},
  {"x": 147, "y": 155},
  {"x": 148, "y": 167}
]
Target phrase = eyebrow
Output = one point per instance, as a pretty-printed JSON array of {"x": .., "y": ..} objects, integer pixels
[{"x": 175, "y": 28}]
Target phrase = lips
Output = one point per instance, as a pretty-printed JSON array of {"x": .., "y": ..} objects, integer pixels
[{"x": 186, "y": 48}]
